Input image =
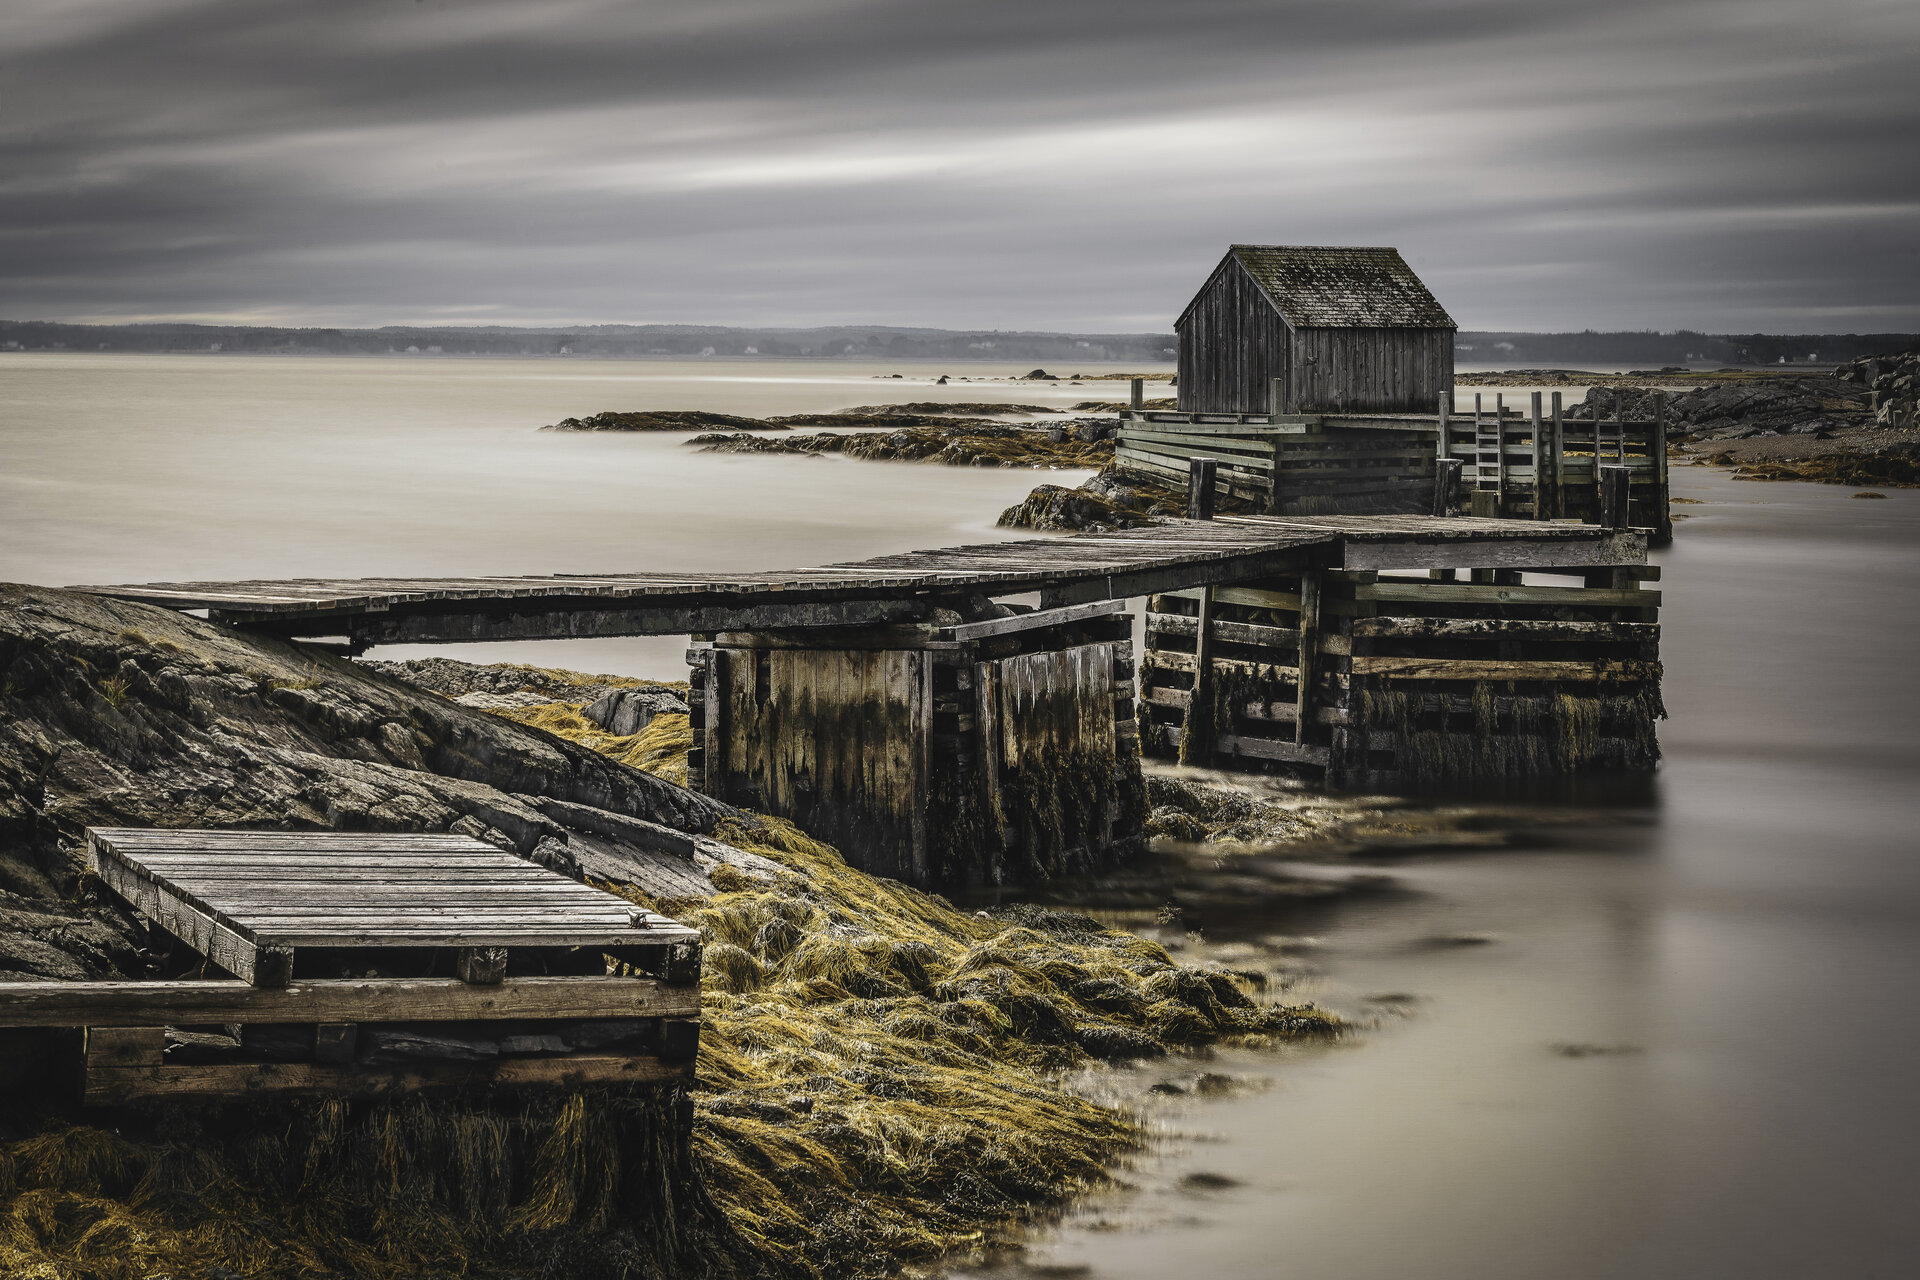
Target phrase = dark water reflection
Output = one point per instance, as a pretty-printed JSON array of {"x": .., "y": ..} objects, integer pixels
[{"x": 1681, "y": 1043}]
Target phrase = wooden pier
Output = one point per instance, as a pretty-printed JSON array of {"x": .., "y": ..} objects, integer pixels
[
  {"x": 1533, "y": 463},
  {"x": 939, "y": 724},
  {"x": 368, "y": 964}
]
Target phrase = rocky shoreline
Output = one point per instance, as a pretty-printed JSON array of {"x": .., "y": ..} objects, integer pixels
[{"x": 873, "y": 1034}]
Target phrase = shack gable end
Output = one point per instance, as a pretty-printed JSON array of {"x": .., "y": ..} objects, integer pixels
[{"x": 1338, "y": 328}]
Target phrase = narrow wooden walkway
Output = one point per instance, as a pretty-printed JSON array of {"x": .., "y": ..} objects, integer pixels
[{"x": 1085, "y": 567}]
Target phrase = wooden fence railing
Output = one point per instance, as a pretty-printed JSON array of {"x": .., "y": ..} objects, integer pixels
[{"x": 1538, "y": 463}]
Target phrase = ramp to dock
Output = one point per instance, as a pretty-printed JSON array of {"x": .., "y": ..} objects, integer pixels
[{"x": 1081, "y": 568}]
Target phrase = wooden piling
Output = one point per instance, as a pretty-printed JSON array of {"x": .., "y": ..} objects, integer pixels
[
  {"x": 1201, "y": 473},
  {"x": 1137, "y": 393},
  {"x": 1308, "y": 649},
  {"x": 1614, "y": 481},
  {"x": 1540, "y": 486},
  {"x": 1446, "y": 480}
]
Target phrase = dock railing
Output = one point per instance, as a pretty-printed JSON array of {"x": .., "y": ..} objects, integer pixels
[{"x": 1538, "y": 463}]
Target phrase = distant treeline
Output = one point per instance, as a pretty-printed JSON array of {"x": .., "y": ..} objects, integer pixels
[
  {"x": 1682, "y": 347},
  {"x": 865, "y": 342},
  {"x": 878, "y": 342}
]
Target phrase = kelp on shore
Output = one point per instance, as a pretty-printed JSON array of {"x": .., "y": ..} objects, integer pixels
[{"x": 910, "y": 1057}]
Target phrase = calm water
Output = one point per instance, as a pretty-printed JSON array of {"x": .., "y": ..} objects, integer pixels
[
  {"x": 1753, "y": 935},
  {"x": 170, "y": 468},
  {"x": 1752, "y": 938}
]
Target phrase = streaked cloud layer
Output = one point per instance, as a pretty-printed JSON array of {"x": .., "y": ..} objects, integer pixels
[{"x": 1728, "y": 165}]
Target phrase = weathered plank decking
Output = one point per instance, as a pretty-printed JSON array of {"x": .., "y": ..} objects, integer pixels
[
  {"x": 888, "y": 589},
  {"x": 257, "y": 902},
  {"x": 248, "y": 899}
]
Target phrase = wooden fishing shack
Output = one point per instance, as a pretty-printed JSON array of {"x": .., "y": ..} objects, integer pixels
[{"x": 1294, "y": 329}]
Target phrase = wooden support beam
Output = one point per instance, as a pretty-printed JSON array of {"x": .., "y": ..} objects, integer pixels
[
  {"x": 1540, "y": 464},
  {"x": 126, "y": 1046},
  {"x": 1201, "y": 475},
  {"x": 1197, "y": 743},
  {"x": 106, "y": 1086},
  {"x": 482, "y": 966},
  {"x": 197, "y": 1002},
  {"x": 1473, "y": 669},
  {"x": 334, "y": 1042},
  {"x": 1446, "y": 482},
  {"x": 1308, "y": 651},
  {"x": 1136, "y": 394},
  {"x": 1662, "y": 520},
  {"x": 1615, "y": 482},
  {"x": 538, "y": 620}
]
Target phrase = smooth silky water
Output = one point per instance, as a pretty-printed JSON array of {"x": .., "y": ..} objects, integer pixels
[{"x": 1744, "y": 938}]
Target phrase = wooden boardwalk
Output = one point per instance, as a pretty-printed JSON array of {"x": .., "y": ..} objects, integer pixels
[{"x": 1079, "y": 569}]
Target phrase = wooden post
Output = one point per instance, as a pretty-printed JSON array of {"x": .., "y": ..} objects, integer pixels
[
  {"x": 1444, "y": 447},
  {"x": 1276, "y": 399},
  {"x": 482, "y": 966},
  {"x": 1657, "y": 448},
  {"x": 1137, "y": 398},
  {"x": 1613, "y": 496},
  {"x": 1198, "y": 735},
  {"x": 1500, "y": 449},
  {"x": 1309, "y": 647},
  {"x": 1200, "y": 479},
  {"x": 1620, "y": 427},
  {"x": 1539, "y": 459},
  {"x": 1559, "y": 452},
  {"x": 1446, "y": 479},
  {"x": 334, "y": 1042}
]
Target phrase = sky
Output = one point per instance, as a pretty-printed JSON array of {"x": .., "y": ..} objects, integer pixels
[{"x": 1723, "y": 165}]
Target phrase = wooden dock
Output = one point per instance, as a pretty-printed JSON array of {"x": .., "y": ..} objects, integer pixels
[
  {"x": 906, "y": 588},
  {"x": 368, "y": 963},
  {"x": 1534, "y": 462}
]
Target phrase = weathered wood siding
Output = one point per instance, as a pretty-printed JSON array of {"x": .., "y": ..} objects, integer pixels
[
  {"x": 834, "y": 740},
  {"x": 1233, "y": 344},
  {"x": 1062, "y": 786},
  {"x": 1369, "y": 370}
]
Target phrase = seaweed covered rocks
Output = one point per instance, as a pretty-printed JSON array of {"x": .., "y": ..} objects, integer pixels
[
  {"x": 664, "y": 420},
  {"x": 965, "y": 443}
]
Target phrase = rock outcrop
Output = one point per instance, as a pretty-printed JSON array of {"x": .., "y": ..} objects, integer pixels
[
  {"x": 1892, "y": 383},
  {"x": 119, "y": 714},
  {"x": 966, "y": 443},
  {"x": 1737, "y": 410},
  {"x": 1110, "y": 500},
  {"x": 664, "y": 420}
]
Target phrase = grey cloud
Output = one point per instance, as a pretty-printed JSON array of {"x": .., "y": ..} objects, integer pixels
[{"x": 1702, "y": 163}]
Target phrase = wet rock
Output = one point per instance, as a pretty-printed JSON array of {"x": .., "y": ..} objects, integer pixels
[
  {"x": 1738, "y": 410},
  {"x": 664, "y": 420},
  {"x": 627, "y": 711},
  {"x": 119, "y": 714}
]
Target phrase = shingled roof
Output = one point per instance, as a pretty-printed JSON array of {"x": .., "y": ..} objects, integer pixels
[{"x": 1342, "y": 288}]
